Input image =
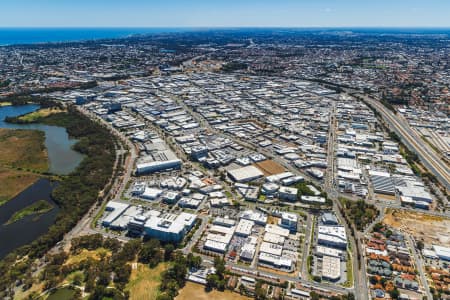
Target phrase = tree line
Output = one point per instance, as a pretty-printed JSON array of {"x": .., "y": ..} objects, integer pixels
[{"x": 75, "y": 194}]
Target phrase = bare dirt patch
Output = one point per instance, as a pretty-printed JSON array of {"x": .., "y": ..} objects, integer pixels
[
  {"x": 431, "y": 229},
  {"x": 270, "y": 167}
]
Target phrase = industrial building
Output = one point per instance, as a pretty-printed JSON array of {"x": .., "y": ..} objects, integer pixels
[
  {"x": 170, "y": 227},
  {"x": 288, "y": 221},
  {"x": 287, "y": 193},
  {"x": 157, "y": 166},
  {"x": 331, "y": 268},
  {"x": 442, "y": 252},
  {"x": 245, "y": 174},
  {"x": 244, "y": 227},
  {"x": 258, "y": 217},
  {"x": 332, "y": 236}
]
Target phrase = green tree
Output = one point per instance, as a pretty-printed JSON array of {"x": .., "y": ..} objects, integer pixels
[
  {"x": 168, "y": 250},
  {"x": 394, "y": 293}
]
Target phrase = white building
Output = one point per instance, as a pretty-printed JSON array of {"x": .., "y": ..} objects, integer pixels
[
  {"x": 244, "y": 228},
  {"x": 287, "y": 193},
  {"x": 151, "y": 193},
  {"x": 288, "y": 221},
  {"x": 170, "y": 227},
  {"x": 313, "y": 199},
  {"x": 275, "y": 229},
  {"x": 332, "y": 236},
  {"x": 255, "y": 216},
  {"x": 442, "y": 252},
  {"x": 115, "y": 209},
  {"x": 270, "y": 248},
  {"x": 245, "y": 174},
  {"x": 331, "y": 268},
  {"x": 155, "y": 166}
]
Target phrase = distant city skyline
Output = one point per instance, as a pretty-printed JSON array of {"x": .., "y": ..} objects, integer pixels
[{"x": 231, "y": 13}]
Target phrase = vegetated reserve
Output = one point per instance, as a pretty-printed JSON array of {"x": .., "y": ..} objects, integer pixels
[{"x": 75, "y": 194}]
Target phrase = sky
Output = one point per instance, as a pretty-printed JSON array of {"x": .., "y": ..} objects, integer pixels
[{"x": 221, "y": 13}]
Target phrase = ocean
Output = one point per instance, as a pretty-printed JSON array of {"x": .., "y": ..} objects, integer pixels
[{"x": 17, "y": 36}]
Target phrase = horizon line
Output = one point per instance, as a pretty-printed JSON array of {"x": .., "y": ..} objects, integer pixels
[{"x": 226, "y": 27}]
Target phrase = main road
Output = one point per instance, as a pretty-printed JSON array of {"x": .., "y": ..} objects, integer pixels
[{"x": 428, "y": 156}]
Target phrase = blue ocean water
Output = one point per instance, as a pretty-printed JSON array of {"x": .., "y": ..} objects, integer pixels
[{"x": 14, "y": 36}]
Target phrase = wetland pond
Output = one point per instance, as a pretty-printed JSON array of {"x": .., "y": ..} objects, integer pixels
[{"x": 62, "y": 161}]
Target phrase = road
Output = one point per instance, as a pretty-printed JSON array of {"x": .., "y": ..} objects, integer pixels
[
  {"x": 427, "y": 155},
  {"x": 331, "y": 191},
  {"x": 118, "y": 185},
  {"x": 419, "y": 266},
  {"x": 359, "y": 276},
  {"x": 306, "y": 245}
]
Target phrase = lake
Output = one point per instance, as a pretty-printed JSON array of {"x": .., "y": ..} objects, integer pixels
[
  {"x": 62, "y": 158},
  {"x": 27, "y": 229},
  {"x": 62, "y": 161}
]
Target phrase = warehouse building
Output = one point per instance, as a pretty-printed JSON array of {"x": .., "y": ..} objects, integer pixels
[
  {"x": 245, "y": 174},
  {"x": 258, "y": 217},
  {"x": 287, "y": 193},
  {"x": 332, "y": 236},
  {"x": 244, "y": 228},
  {"x": 157, "y": 166},
  {"x": 218, "y": 238},
  {"x": 442, "y": 252},
  {"x": 115, "y": 210},
  {"x": 288, "y": 221},
  {"x": 331, "y": 268}
]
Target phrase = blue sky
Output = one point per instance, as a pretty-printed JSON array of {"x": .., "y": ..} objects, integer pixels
[{"x": 220, "y": 13}]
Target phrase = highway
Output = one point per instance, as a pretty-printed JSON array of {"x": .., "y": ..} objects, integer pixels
[{"x": 427, "y": 155}]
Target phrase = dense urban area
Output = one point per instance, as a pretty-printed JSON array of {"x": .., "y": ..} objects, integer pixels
[{"x": 233, "y": 164}]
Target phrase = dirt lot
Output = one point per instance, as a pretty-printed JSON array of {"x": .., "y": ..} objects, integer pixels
[
  {"x": 269, "y": 167},
  {"x": 196, "y": 291},
  {"x": 385, "y": 197},
  {"x": 430, "y": 229}
]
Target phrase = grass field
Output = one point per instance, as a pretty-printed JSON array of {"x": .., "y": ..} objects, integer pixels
[
  {"x": 37, "y": 208},
  {"x": 85, "y": 254},
  {"x": 41, "y": 113},
  {"x": 349, "y": 266},
  {"x": 13, "y": 182},
  {"x": 144, "y": 282},
  {"x": 196, "y": 291},
  {"x": 23, "y": 149},
  {"x": 62, "y": 294},
  {"x": 22, "y": 152}
]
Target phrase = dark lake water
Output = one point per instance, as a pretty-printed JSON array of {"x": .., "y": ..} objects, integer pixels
[
  {"x": 62, "y": 159},
  {"x": 30, "y": 227}
]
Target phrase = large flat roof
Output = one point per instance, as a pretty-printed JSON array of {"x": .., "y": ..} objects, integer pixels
[{"x": 245, "y": 173}]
